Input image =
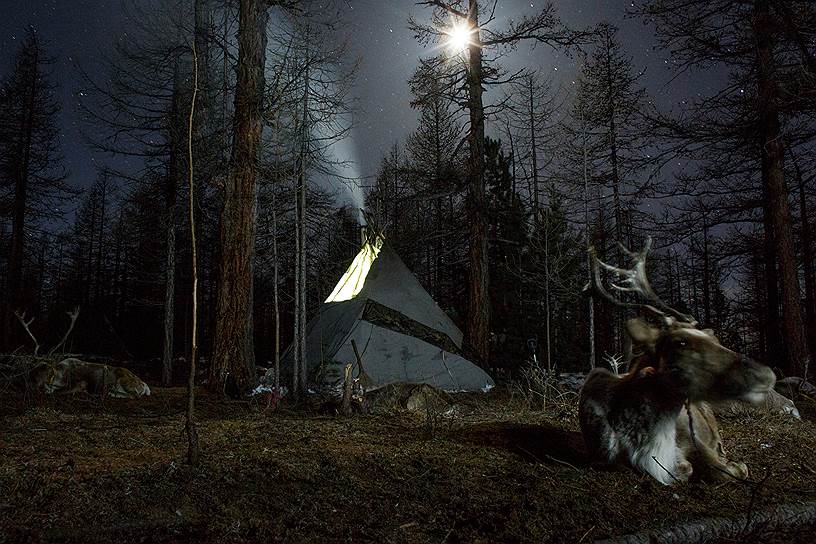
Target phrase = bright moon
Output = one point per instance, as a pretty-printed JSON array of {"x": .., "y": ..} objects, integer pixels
[{"x": 458, "y": 37}]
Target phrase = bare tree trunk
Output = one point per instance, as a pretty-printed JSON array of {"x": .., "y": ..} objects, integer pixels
[
  {"x": 706, "y": 275},
  {"x": 591, "y": 299},
  {"x": 190, "y": 425},
  {"x": 296, "y": 387},
  {"x": 533, "y": 149},
  {"x": 100, "y": 238},
  {"x": 547, "y": 313},
  {"x": 169, "y": 295},
  {"x": 479, "y": 297},
  {"x": 772, "y": 331},
  {"x": 616, "y": 181},
  {"x": 776, "y": 191},
  {"x": 761, "y": 297},
  {"x": 303, "y": 280},
  {"x": 300, "y": 242},
  {"x": 232, "y": 354},
  {"x": 807, "y": 261},
  {"x": 275, "y": 298},
  {"x": 173, "y": 175}
]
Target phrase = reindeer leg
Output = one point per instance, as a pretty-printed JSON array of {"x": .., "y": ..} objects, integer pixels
[{"x": 718, "y": 467}]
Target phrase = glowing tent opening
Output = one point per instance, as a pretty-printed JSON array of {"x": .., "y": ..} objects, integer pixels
[{"x": 353, "y": 280}]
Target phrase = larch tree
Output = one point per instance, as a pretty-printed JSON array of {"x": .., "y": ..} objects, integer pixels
[
  {"x": 139, "y": 111},
  {"x": 766, "y": 48},
  {"x": 608, "y": 109},
  {"x": 233, "y": 349},
  {"x": 465, "y": 82},
  {"x": 32, "y": 178},
  {"x": 233, "y": 352},
  {"x": 434, "y": 152},
  {"x": 531, "y": 105}
]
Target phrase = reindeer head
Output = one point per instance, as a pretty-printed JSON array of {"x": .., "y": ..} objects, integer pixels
[
  {"x": 698, "y": 365},
  {"x": 692, "y": 359}
]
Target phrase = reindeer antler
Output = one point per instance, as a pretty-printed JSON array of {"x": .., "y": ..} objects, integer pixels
[
  {"x": 633, "y": 280},
  {"x": 26, "y": 325},
  {"x": 73, "y": 315}
]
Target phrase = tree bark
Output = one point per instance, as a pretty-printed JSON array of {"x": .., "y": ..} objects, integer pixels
[
  {"x": 591, "y": 299},
  {"x": 232, "y": 354},
  {"x": 479, "y": 299},
  {"x": 169, "y": 294},
  {"x": 776, "y": 192},
  {"x": 275, "y": 297},
  {"x": 533, "y": 147},
  {"x": 706, "y": 276},
  {"x": 615, "y": 179},
  {"x": 807, "y": 260},
  {"x": 773, "y": 346},
  {"x": 299, "y": 383},
  {"x": 174, "y": 172}
]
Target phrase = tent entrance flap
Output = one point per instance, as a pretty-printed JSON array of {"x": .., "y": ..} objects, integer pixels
[{"x": 353, "y": 280}]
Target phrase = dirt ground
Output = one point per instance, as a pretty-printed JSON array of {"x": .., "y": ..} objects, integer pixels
[{"x": 488, "y": 469}]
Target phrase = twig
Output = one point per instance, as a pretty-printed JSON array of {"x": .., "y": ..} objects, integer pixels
[
  {"x": 664, "y": 468},
  {"x": 559, "y": 461},
  {"x": 585, "y": 534},
  {"x": 754, "y": 495}
]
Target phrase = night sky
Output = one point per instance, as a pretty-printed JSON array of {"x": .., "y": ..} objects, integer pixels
[{"x": 78, "y": 30}]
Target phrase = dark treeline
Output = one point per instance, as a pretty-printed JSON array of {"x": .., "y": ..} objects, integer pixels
[{"x": 492, "y": 205}]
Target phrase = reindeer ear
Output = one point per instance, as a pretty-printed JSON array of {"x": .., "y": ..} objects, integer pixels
[{"x": 641, "y": 332}]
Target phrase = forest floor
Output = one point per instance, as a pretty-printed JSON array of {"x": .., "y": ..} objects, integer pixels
[{"x": 493, "y": 469}]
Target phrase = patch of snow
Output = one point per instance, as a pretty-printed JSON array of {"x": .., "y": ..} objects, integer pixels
[{"x": 263, "y": 389}]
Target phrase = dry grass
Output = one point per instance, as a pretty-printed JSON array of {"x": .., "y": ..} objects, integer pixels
[{"x": 498, "y": 470}]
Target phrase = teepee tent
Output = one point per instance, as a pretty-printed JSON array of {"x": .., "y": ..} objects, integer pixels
[{"x": 402, "y": 335}]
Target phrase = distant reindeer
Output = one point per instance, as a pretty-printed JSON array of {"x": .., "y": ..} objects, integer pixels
[
  {"x": 655, "y": 417},
  {"x": 72, "y": 375}
]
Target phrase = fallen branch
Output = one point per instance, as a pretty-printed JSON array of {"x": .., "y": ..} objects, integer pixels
[{"x": 740, "y": 528}]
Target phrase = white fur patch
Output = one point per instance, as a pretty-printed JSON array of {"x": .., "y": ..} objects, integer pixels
[{"x": 659, "y": 456}]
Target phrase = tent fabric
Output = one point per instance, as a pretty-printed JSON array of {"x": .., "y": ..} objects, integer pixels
[
  {"x": 390, "y": 283},
  {"x": 388, "y": 355}
]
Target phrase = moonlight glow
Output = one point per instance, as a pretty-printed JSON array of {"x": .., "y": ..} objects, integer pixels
[{"x": 459, "y": 37}]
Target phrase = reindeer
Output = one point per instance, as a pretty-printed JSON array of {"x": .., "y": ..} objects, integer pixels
[
  {"x": 655, "y": 418},
  {"x": 72, "y": 375}
]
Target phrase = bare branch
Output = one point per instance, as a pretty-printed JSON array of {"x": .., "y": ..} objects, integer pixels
[{"x": 444, "y": 6}]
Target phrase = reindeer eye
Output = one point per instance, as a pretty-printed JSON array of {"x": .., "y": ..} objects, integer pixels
[{"x": 681, "y": 343}]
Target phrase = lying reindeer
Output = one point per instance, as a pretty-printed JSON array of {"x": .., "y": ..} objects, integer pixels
[
  {"x": 72, "y": 376},
  {"x": 655, "y": 418}
]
